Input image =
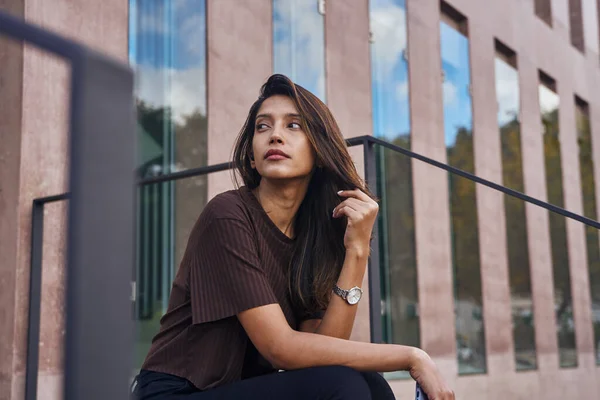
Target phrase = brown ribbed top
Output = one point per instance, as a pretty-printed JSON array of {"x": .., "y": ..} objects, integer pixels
[{"x": 236, "y": 259}]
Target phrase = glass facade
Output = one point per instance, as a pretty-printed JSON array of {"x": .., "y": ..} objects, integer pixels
[
  {"x": 588, "y": 189},
  {"x": 458, "y": 133},
  {"x": 391, "y": 121},
  {"x": 507, "y": 95},
  {"x": 167, "y": 50},
  {"x": 299, "y": 43},
  {"x": 549, "y": 105}
]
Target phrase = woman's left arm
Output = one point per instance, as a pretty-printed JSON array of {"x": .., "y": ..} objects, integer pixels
[{"x": 361, "y": 212}]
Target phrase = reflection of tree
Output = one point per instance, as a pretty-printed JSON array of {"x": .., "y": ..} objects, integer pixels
[
  {"x": 558, "y": 237},
  {"x": 463, "y": 208},
  {"x": 167, "y": 210},
  {"x": 399, "y": 233},
  {"x": 586, "y": 165},
  {"x": 517, "y": 246},
  {"x": 465, "y": 255}
]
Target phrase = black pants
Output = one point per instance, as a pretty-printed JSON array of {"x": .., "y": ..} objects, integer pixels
[{"x": 318, "y": 383}]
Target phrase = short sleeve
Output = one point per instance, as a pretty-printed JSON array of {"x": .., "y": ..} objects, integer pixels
[{"x": 226, "y": 275}]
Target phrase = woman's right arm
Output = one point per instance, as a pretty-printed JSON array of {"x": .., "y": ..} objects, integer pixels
[{"x": 288, "y": 349}]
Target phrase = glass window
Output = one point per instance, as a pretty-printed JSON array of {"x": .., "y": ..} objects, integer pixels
[
  {"x": 507, "y": 95},
  {"x": 549, "y": 103},
  {"x": 389, "y": 68},
  {"x": 543, "y": 9},
  {"x": 391, "y": 119},
  {"x": 299, "y": 43},
  {"x": 167, "y": 50},
  {"x": 588, "y": 189},
  {"x": 576, "y": 25},
  {"x": 458, "y": 129}
]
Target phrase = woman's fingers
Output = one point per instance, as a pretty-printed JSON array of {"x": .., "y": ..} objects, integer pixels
[
  {"x": 348, "y": 211},
  {"x": 358, "y": 194},
  {"x": 359, "y": 200},
  {"x": 355, "y": 204}
]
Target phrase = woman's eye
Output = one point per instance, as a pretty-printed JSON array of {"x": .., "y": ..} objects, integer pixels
[
  {"x": 295, "y": 125},
  {"x": 260, "y": 126}
]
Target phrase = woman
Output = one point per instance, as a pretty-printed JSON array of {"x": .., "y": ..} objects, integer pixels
[{"x": 272, "y": 271}]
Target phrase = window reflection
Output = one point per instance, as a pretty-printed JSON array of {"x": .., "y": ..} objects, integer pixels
[
  {"x": 389, "y": 66},
  {"x": 588, "y": 189},
  {"x": 549, "y": 102},
  {"x": 507, "y": 92},
  {"x": 299, "y": 43},
  {"x": 167, "y": 50},
  {"x": 391, "y": 121},
  {"x": 458, "y": 129}
]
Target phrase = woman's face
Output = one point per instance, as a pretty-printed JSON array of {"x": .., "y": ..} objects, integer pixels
[{"x": 280, "y": 146}]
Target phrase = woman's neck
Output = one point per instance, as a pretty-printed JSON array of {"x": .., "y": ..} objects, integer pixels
[{"x": 281, "y": 202}]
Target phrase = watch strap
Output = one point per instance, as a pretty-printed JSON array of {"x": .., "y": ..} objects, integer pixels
[{"x": 340, "y": 292}]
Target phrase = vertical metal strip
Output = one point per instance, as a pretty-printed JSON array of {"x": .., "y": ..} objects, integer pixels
[
  {"x": 35, "y": 300},
  {"x": 374, "y": 265}
]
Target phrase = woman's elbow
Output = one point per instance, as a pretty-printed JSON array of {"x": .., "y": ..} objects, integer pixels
[{"x": 281, "y": 353}]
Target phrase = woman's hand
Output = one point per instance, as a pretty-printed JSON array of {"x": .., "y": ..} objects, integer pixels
[
  {"x": 424, "y": 371},
  {"x": 361, "y": 212}
]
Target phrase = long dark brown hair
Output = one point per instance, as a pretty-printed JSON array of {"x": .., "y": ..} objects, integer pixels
[{"x": 319, "y": 250}]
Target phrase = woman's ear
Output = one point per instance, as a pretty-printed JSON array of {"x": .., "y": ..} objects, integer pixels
[{"x": 252, "y": 163}]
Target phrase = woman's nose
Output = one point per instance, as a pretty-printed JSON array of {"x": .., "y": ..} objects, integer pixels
[{"x": 276, "y": 137}]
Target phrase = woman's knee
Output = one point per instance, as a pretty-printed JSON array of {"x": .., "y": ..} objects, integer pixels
[
  {"x": 343, "y": 383},
  {"x": 379, "y": 386}
]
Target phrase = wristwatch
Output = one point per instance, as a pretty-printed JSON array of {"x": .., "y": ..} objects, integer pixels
[{"x": 352, "y": 296}]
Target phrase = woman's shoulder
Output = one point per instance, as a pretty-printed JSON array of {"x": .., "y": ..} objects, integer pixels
[{"x": 227, "y": 205}]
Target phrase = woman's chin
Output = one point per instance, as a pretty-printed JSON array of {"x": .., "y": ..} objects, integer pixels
[{"x": 283, "y": 176}]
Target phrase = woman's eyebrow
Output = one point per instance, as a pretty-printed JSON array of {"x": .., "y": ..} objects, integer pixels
[{"x": 268, "y": 115}]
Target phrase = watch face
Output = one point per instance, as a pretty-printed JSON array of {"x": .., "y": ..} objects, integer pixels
[{"x": 354, "y": 295}]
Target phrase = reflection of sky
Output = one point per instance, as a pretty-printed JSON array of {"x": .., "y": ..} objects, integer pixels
[
  {"x": 507, "y": 91},
  {"x": 167, "y": 48},
  {"x": 548, "y": 99},
  {"x": 389, "y": 69},
  {"x": 299, "y": 43},
  {"x": 457, "y": 100}
]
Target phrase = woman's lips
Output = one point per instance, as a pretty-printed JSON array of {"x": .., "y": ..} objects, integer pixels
[{"x": 276, "y": 157}]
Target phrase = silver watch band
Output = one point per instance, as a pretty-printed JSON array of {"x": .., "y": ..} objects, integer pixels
[
  {"x": 351, "y": 296},
  {"x": 340, "y": 292}
]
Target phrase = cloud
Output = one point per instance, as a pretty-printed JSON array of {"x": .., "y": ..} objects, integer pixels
[
  {"x": 187, "y": 92},
  {"x": 183, "y": 24},
  {"x": 450, "y": 94},
  {"x": 548, "y": 99},
  {"x": 388, "y": 29},
  {"x": 152, "y": 22},
  {"x": 507, "y": 91},
  {"x": 193, "y": 33},
  {"x": 402, "y": 91}
]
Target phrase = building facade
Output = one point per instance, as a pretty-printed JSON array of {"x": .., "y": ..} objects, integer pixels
[{"x": 504, "y": 295}]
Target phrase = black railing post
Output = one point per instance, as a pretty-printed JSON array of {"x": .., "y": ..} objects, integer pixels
[
  {"x": 99, "y": 324},
  {"x": 35, "y": 299},
  {"x": 374, "y": 266}
]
